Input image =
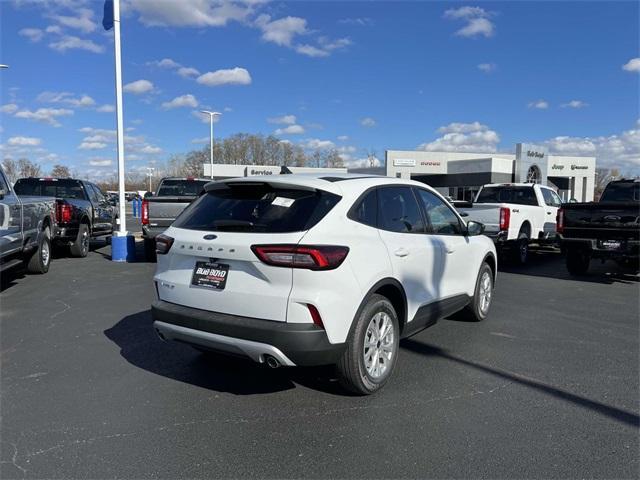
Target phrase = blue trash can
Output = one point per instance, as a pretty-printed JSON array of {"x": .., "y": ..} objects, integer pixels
[
  {"x": 123, "y": 248},
  {"x": 134, "y": 204}
]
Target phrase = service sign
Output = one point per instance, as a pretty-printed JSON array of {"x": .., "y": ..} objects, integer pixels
[
  {"x": 261, "y": 171},
  {"x": 404, "y": 162}
]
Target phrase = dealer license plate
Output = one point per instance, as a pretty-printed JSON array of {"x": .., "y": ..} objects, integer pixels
[
  {"x": 210, "y": 275},
  {"x": 610, "y": 244}
]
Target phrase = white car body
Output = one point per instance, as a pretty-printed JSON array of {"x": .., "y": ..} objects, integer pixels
[{"x": 434, "y": 274}]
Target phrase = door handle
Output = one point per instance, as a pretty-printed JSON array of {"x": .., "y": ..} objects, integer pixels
[
  {"x": 450, "y": 250},
  {"x": 401, "y": 252},
  {"x": 549, "y": 213}
]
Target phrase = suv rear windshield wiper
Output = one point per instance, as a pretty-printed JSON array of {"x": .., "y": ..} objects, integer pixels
[{"x": 236, "y": 224}]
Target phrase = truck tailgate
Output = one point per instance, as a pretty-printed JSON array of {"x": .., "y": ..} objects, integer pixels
[
  {"x": 485, "y": 213},
  {"x": 611, "y": 221},
  {"x": 164, "y": 210}
]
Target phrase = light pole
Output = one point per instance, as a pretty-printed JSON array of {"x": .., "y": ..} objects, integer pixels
[
  {"x": 150, "y": 171},
  {"x": 211, "y": 115}
]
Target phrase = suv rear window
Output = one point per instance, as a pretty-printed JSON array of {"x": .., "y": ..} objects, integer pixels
[
  {"x": 181, "y": 188},
  {"x": 63, "y": 188},
  {"x": 621, "y": 192},
  {"x": 517, "y": 195},
  {"x": 257, "y": 207}
]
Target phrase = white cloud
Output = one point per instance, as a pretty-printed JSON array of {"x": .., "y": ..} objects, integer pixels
[
  {"x": 106, "y": 109},
  {"x": 201, "y": 140},
  {"x": 138, "y": 87},
  {"x": 83, "y": 21},
  {"x": 187, "y": 100},
  {"x": 190, "y": 13},
  {"x": 539, "y": 104},
  {"x": 487, "y": 67},
  {"x": 311, "y": 51},
  {"x": 360, "y": 21},
  {"x": 343, "y": 138},
  {"x": 69, "y": 42},
  {"x": 54, "y": 29},
  {"x": 281, "y": 31},
  {"x": 228, "y": 109},
  {"x": 632, "y": 65},
  {"x": 233, "y": 76},
  {"x": 325, "y": 47},
  {"x": 66, "y": 98},
  {"x": 33, "y": 34},
  {"x": 188, "y": 72},
  {"x": 464, "y": 137},
  {"x": 92, "y": 146},
  {"x": 290, "y": 130},
  {"x": 317, "y": 144},
  {"x": 368, "y": 122},
  {"x": 9, "y": 108},
  {"x": 575, "y": 104},
  {"x": 476, "y": 18},
  {"x": 100, "y": 162},
  {"x": 24, "y": 141},
  {"x": 165, "y": 63},
  {"x": 283, "y": 120},
  {"x": 150, "y": 149},
  {"x": 45, "y": 115}
]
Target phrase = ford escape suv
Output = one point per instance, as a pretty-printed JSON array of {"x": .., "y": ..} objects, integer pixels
[{"x": 311, "y": 270}]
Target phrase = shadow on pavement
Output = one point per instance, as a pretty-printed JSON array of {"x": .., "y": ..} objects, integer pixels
[
  {"x": 551, "y": 264},
  {"x": 8, "y": 277},
  {"x": 140, "y": 346},
  {"x": 621, "y": 415}
]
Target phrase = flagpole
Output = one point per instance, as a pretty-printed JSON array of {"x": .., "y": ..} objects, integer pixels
[{"x": 119, "y": 117}]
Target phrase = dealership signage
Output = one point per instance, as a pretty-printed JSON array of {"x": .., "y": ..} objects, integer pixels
[
  {"x": 579, "y": 167},
  {"x": 258, "y": 171},
  {"x": 555, "y": 166},
  {"x": 535, "y": 154},
  {"x": 404, "y": 162}
]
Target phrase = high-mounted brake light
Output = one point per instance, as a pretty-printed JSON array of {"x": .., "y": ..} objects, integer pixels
[
  {"x": 63, "y": 212},
  {"x": 312, "y": 257},
  {"x": 163, "y": 244},
  {"x": 144, "y": 212},
  {"x": 560, "y": 221},
  {"x": 505, "y": 218}
]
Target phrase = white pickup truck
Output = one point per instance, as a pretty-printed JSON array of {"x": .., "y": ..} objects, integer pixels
[{"x": 515, "y": 215}]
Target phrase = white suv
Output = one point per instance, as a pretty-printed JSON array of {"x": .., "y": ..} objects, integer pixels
[{"x": 311, "y": 270}]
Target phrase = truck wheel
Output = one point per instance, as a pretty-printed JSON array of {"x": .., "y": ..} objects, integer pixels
[
  {"x": 372, "y": 348},
  {"x": 150, "y": 250},
  {"x": 41, "y": 258},
  {"x": 80, "y": 248},
  {"x": 520, "y": 252},
  {"x": 578, "y": 261},
  {"x": 478, "y": 309}
]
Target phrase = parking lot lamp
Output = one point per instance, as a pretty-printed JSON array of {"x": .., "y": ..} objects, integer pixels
[{"x": 211, "y": 115}]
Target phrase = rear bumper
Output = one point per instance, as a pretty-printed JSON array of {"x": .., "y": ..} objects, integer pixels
[
  {"x": 152, "y": 232},
  {"x": 629, "y": 248},
  {"x": 291, "y": 343},
  {"x": 498, "y": 237},
  {"x": 65, "y": 234}
]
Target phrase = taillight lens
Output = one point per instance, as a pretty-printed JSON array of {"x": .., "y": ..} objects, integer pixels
[
  {"x": 63, "y": 212},
  {"x": 315, "y": 315},
  {"x": 312, "y": 257},
  {"x": 505, "y": 218},
  {"x": 163, "y": 244},
  {"x": 560, "y": 221},
  {"x": 144, "y": 212}
]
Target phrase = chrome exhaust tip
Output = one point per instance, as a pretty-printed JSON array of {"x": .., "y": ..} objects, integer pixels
[{"x": 272, "y": 362}]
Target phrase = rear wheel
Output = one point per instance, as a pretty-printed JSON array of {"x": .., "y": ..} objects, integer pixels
[
  {"x": 478, "y": 309},
  {"x": 520, "y": 253},
  {"x": 80, "y": 248},
  {"x": 372, "y": 348},
  {"x": 578, "y": 261},
  {"x": 41, "y": 258}
]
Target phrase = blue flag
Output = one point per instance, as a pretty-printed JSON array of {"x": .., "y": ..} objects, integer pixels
[{"x": 107, "y": 19}]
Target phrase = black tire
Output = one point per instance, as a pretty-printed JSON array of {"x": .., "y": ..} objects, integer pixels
[
  {"x": 578, "y": 261},
  {"x": 40, "y": 259},
  {"x": 150, "y": 249},
  {"x": 477, "y": 311},
  {"x": 520, "y": 253},
  {"x": 80, "y": 248},
  {"x": 353, "y": 374}
]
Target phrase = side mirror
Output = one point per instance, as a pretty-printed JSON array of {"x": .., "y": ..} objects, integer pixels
[
  {"x": 3, "y": 192},
  {"x": 474, "y": 228}
]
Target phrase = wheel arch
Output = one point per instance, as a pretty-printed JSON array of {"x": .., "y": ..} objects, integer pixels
[
  {"x": 490, "y": 260},
  {"x": 392, "y": 290},
  {"x": 525, "y": 227}
]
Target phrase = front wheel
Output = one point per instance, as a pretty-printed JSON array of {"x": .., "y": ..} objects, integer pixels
[
  {"x": 478, "y": 309},
  {"x": 372, "y": 348},
  {"x": 41, "y": 258},
  {"x": 578, "y": 261}
]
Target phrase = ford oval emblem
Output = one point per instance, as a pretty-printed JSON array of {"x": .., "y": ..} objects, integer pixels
[
  {"x": 210, "y": 236},
  {"x": 612, "y": 218}
]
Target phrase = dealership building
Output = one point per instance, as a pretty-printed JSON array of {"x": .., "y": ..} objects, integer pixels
[{"x": 460, "y": 174}]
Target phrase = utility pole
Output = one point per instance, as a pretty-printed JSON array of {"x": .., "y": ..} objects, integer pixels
[{"x": 211, "y": 115}]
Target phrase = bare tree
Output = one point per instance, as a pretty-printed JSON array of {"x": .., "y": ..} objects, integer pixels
[
  {"x": 60, "y": 171},
  {"x": 603, "y": 177},
  {"x": 10, "y": 169},
  {"x": 26, "y": 168}
]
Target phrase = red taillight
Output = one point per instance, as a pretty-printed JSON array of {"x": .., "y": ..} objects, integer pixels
[
  {"x": 144, "y": 212},
  {"x": 63, "y": 212},
  {"x": 313, "y": 257},
  {"x": 315, "y": 315},
  {"x": 163, "y": 244},
  {"x": 560, "y": 221},
  {"x": 505, "y": 218}
]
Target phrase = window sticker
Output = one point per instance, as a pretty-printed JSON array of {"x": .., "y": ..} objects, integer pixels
[{"x": 283, "y": 202}]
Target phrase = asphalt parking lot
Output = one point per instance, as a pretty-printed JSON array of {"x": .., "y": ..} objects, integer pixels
[{"x": 546, "y": 387}]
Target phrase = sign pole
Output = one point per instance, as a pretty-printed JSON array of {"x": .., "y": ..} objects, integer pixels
[{"x": 119, "y": 117}]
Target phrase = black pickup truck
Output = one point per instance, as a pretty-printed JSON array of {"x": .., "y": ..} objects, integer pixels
[
  {"x": 608, "y": 229},
  {"x": 82, "y": 210},
  {"x": 159, "y": 211}
]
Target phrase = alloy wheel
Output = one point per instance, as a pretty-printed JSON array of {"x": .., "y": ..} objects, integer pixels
[{"x": 379, "y": 345}]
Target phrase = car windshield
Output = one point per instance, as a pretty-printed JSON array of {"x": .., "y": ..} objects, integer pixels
[
  {"x": 507, "y": 194},
  {"x": 621, "y": 192},
  {"x": 257, "y": 207},
  {"x": 181, "y": 188},
  {"x": 45, "y": 187}
]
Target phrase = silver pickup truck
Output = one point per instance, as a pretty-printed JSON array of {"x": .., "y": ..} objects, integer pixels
[{"x": 26, "y": 228}]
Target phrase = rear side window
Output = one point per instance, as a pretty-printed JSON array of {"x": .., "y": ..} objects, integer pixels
[
  {"x": 516, "y": 195},
  {"x": 50, "y": 188},
  {"x": 621, "y": 192},
  {"x": 398, "y": 210},
  {"x": 257, "y": 207},
  {"x": 550, "y": 198},
  {"x": 366, "y": 209},
  {"x": 181, "y": 188}
]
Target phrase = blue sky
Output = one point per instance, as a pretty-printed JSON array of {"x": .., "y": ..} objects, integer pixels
[{"x": 360, "y": 77}]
